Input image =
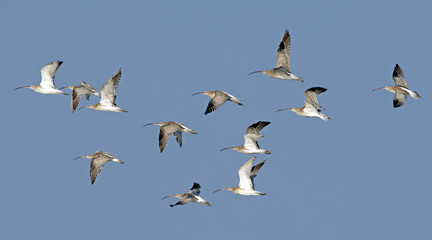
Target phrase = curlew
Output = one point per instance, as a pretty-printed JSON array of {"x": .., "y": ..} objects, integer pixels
[
  {"x": 46, "y": 85},
  {"x": 283, "y": 61},
  {"x": 311, "y": 106},
  {"x": 79, "y": 90},
  {"x": 167, "y": 128},
  {"x": 400, "y": 89},
  {"x": 108, "y": 95},
  {"x": 251, "y": 140},
  {"x": 191, "y": 196},
  {"x": 218, "y": 98},
  {"x": 247, "y": 172},
  {"x": 98, "y": 160}
]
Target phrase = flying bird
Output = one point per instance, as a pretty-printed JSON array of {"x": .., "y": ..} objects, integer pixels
[
  {"x": 218, "y": 98},
  {"x": 311, "y": 108},
  {"x": 191, "y": 196},
  {"x": 79, "y": 90},
  {"x": 98, "y": 160},
  {"x": 247, "y": 173},
  {"x": 283, "y": 56},
  {"x": 400, "y": 89},
  {"x": 46, "y": 85},
  {"x": 251, "y": 140},
  {"x": 167, "y": 128},
  {"x": 108, "y": 95}
]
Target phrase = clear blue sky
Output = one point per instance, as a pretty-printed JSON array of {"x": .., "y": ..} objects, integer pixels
[{"x": 365, "y": 174}]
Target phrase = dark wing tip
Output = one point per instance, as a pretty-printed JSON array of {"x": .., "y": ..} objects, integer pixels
[
  {"x": 317, "y": 89},
  {"x": 397, "y": 71},
  {"x": 195, "y": 186},
  {"x": 397, "y": 103}
]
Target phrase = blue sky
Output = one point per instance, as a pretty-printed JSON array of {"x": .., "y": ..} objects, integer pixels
[{"x": 365, "y": 174}]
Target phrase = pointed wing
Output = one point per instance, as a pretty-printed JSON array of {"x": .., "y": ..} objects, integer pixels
[
  {"x": 216, "y": 102},
  {"x": 195, "y": 190},
  {"x": 398, "y": 77},
  {"x": 48, "y": 73},
  {"x": 96, "y": 166},
  {"x": 244, "y": 173},
  {"x": 399, "y": 99},
  {"x": 251, "y": 140},
  {"x": 254, "y": 171},
  {"x": 179, "y": 137},
  {"x": 164, "y": 134},
  {"x": 311, "y": 95},
  {"x": 108, "y": 92},
  {"x": 76, "y": 98},
  {"x": 256, "y": 127},
  {"x": 284, "y": 52}
]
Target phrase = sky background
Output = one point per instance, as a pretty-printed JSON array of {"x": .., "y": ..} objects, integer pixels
[{"x": 364, "y": 174}]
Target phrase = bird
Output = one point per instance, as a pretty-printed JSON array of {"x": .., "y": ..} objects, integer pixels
[
  {"x": 108, "y": 95},
  {"x": 167, "y": 128},
  {"x": 218, "y": 98},
  {"x": 311, "y": 106},
  {"x": 283, "y": 61},
  {"x": 98, "y": 160},
  {"x": 79, "y": 90},
  {"x": 251, "y": 140},
  {"x": 247, "y": 172},
  {"x": 46, "y": 85},
  {"x": 400, "y": 89},
  {"x": 191, "y": 196}
]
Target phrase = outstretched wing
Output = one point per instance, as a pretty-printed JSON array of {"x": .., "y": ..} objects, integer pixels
[
  {"x": 399, "y": 77},
  {"x": 256, "y": 127},
  {"x": 108, "y": 90},
  {"x": 48, "y": 73},
  {"x": 216, "y": 102},
  {"x": 284, "y": 52},
  {"x": 244, "y": 173}
]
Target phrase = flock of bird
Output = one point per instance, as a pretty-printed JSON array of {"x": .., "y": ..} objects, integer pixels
[{"x": 247, "y": 172}]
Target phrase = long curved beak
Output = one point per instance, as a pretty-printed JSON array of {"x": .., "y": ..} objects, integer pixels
[
  {"x": 255, "y": 72},
  {"x": 197, "y": 93},
  {"x": 220, "y": 190},
  {"x": 85, "y": 156},
  {"x": 226, "y": 148},
  {"x": 150, "y": 124},
  {"x": 283, "y": 109},
  {"x": 22, "y": 87},
  {"x": 64, "y": 87},
  {"x": 377, "y": 88},
  {"x": 168, "y": 197}
]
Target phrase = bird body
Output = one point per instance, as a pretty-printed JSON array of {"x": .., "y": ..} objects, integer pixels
[
  {"x": 311, "y": 108},
  {"x": 283, "y": 61},
  {"x": 79, "y": 90},
  {"x": 46, "y": 85},
  {"x": 251, "y": 137},
  {"x": 98, "y": 160},
  {"x": 218, "y": 98},
  {"x": 400, "y": 89},
  {"x": 108, "y": 95},
  {"x": 168, "y": 128},
  {"x": 247, "y": 173},
  {"x": 191, "y": 196}
]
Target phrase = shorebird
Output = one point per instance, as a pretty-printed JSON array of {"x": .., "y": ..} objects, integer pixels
[
  {"x": 283, "y": 56},
  {"x": 167, "y": 128},
  {"x": 246, "y": 173},
  {"x": 191, "y": 196},
  {"x": 46, "y": 85},
  {"x": 98, "y": 160},
  {"x": 400, "y": 89},
  {"x": 79, "y": 90},
  {"x": 108, "y": 95},
  {"x": 311, "y": 106},
  {"x": 218, "y": 98},
  {"x": 251, "y": 140}
]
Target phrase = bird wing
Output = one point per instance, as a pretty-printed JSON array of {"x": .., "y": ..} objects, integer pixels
[
  {"x": 256, "y": 127},
  {"x": 164, "y": 134},
  {"x": 284, "y": 52},
  {"x": 195, "y": 190},
  {"x": 234, "y": 99},
  {"x": 188, "y": 198},
  {"x": 254, "y": 171},
  {"x": 251, "y": 140},
  {"x": 244, "y": 173},
  {"x": 399, "y": 77},
  {"x": 96, "y": 166},
  {"x": 311, "y": 95},
  {"x": 399, "y": 99},
  {"x": 48, "y": 73},
  {"x": 179, "y": 137},
  {"x": 108, "y": 92},
  {"x": 216, "y": 102},
  {"x": 76, "y": 98}
]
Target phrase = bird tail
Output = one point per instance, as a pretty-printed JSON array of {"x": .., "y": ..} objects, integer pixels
[{"x": 324, "y": 117}]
